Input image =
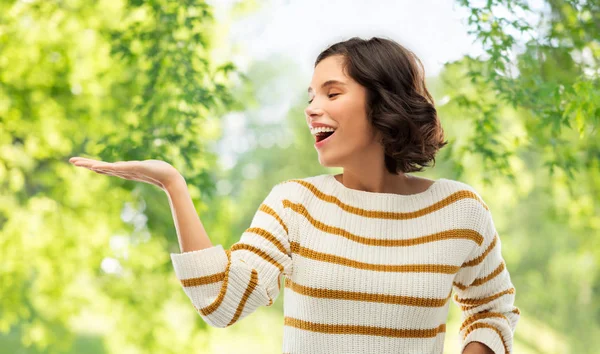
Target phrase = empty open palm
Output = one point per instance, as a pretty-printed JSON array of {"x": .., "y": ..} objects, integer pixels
[{"x": 156, "y": 172}]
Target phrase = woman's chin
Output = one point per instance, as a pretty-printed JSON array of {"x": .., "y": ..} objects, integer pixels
[{"x": 327, "y": 161}]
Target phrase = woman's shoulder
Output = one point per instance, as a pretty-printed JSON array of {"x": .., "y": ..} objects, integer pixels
[
  {"x": 461, "y": 190},
  {"x": 299, "y": 181},
  {"x": 299, "y": 188},
  {"x": 459, "y": 185}
]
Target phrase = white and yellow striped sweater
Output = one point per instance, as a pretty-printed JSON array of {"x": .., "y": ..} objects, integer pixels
[{"x": 364, "y": 272}]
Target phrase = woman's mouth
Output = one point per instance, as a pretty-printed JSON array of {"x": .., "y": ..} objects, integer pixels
[{"x": 323, "y": 138}]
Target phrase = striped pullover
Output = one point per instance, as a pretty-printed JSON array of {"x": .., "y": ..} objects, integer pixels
[{"x": 362, "y": 272}]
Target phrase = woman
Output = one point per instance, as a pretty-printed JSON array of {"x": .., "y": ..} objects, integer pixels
[{"x": 370, "y": 256}]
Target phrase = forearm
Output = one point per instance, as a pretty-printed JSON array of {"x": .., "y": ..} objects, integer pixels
[
  {"x": 477, "y": 348},
  {"x": 190, "y": 231}
]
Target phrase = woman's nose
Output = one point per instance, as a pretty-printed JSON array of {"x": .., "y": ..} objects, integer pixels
[{"x": 313, "y": 111}]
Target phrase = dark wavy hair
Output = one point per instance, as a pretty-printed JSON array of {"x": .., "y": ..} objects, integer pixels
[{"x": 398, "y": 103}]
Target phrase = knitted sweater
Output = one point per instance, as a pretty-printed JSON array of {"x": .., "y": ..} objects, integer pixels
[{"x": 363, "y": 272}]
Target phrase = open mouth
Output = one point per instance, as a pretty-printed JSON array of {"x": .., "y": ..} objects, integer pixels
[{"x": 323, "y": 136}]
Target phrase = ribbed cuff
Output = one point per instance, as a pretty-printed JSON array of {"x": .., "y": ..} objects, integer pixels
[
  {"x": 199, "y": 263},
  {"x": 486, "y": 336}
]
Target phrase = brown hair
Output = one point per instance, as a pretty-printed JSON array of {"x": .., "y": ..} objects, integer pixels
[{"x": 398, "y": 103}]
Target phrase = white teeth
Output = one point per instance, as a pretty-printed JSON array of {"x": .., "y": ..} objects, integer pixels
[{"x": 318, "y": 130}]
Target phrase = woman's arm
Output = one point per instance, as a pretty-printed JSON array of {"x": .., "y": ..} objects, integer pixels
[
  {"x": 190, "y": 231},
  {"x": 485, "y": 293},
  {"x": 226, "y": 285}
]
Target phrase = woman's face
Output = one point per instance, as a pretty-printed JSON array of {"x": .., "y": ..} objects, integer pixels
[{"x": 343, "y": 106}]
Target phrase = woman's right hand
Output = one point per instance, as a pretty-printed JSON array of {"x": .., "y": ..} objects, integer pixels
[{"x": 156, "y": 172}]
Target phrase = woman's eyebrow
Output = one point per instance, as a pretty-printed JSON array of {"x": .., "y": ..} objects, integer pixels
[{"x": 328, "y": 83}]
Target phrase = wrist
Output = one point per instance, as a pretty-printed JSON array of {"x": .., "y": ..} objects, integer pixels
[{"x": 175, "y": 182}]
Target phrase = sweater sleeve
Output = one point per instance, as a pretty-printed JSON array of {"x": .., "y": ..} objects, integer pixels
[
  {"x": 485, "y": 294},
  {"x": 226, "y": 285}
]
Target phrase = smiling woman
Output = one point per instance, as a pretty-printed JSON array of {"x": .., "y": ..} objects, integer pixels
[
  {"x": 370, "y": 259},
  {"x": 379, "y": 102}
]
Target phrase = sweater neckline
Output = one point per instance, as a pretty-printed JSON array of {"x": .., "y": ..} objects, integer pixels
[{"x": 337, "y": 185}]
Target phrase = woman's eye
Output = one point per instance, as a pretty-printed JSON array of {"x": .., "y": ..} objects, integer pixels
[{"x": 333, "y": 94}]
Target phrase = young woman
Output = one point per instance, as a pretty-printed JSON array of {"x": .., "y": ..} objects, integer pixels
[{"x": 370, "y": 257}]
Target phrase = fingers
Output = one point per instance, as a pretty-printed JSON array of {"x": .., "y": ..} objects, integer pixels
[
  {"x": 99, "y": 164},
  {"x": 116, "y": 174},
  {"x": 101, "y": 167},
  {"x": 111, "y": 171},
  {"x": 108, "y": 169},
  {"x": 92, "y": 164},
  {"x": 83, "y": 162},
  {"x": 119, "y": 166},
  {"x": 80, "y": 159}
]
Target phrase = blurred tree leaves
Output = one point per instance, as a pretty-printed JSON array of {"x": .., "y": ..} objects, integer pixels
[
  {"x": 110, "y": 80},
  {"x": 554, "y": 77},
  {"x": 525, "y": 115}
]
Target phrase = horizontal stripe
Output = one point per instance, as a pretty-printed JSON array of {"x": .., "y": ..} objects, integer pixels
[
  {"x": 331, "y": 276},
  {"x": 331, "y": 258},
  {"x": 363, "y": 313},
  {"x": 467, "y": 304},
  {"x": 362, "y": 296},
  {"x": 296, "y": 340},
  {"x": 489, "y": 326},
  {"x": 483, "y": 280},
  {"x": 479, "y": 316},
  {"x": 324, "y": 257},
  {"x": 363, "y": 330},
  {"x": 209, "y": 279},
  {"x": 296, "y": 248},
  {"x": 462, "y": 194},
  {"x": 480, "y": 259},
  {"x": 467, "y": 234}
]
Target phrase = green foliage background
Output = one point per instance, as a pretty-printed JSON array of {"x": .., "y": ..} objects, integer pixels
[{"x": 85, "y": 258}]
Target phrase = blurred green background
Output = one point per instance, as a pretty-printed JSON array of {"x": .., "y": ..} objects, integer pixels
[{"x": 85, "y": 264}]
